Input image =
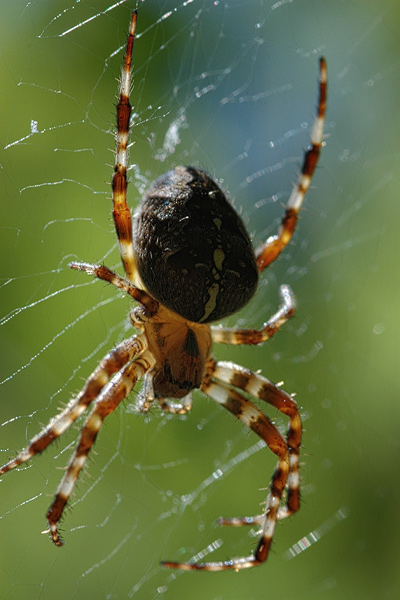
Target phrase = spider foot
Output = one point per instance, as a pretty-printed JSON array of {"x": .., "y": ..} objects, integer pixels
[
  {"x": 53, "y": 531},
  {"x": 102, "y": 272},
  {"x": 283, "y": 513},
  {"x": 241, "y": 521},
  {"x": 54, "y": 515},
  {"x": 236, "y": 564},
  {"x": 82, "y": 266}
]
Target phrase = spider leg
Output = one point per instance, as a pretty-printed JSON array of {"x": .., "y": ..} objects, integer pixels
[
  {"x": 106, "y": 274},
  {"x": 226, "y": 335},
  {"x": 222, "y": 375},
  {"x": 260, "y": 387},
  {"x": 251, "y": 416},
  {"x": 110, "y": 364},
  {"x": 107, "y": 401},
  {"x": 121, "y": 213},
  {"x": 275, "y": 244}
]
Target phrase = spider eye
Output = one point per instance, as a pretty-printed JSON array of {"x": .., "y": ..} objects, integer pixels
[{"x": 192, "y": 250}]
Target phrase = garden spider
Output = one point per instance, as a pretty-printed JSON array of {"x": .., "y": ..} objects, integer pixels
[{"x": 188, "y": 262}]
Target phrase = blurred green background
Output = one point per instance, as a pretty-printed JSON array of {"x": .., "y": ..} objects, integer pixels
[{"x": 230, "y": 86}]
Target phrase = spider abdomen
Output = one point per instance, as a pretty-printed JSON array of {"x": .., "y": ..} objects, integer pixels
[{"x": 192, "y": 250}]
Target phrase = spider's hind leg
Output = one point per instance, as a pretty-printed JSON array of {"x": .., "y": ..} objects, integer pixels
[
  {"x": 110, "y": 364},
  {"x": 261, "y": 388},
  {"x": 251, "y": 416},
  {"x": 106, "y": 402},
  {"x": 219, "y": 385}
]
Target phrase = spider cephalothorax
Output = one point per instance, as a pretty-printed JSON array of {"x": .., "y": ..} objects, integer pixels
[
  {"x": 180, "y": 349},
  {"x": 188, "y": 261}
]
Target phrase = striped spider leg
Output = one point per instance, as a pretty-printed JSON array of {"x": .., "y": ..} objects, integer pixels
[
  {"x": 275, "y": 244},
  {"x": 222, "y": 385}
]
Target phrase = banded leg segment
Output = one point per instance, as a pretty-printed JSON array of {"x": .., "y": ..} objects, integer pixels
[
  {"x": 275, "y": 244},
  {"x": 225, "y": 335},
  {"x": 110, "y": 364},
  {"x": 107, "y": 401},
  {"x": 255, "y": 419},
  {"x": 260, "y": 387},
  {"x": 121, "y": 213}
]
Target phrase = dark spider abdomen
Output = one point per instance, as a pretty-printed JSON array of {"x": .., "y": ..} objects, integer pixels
[{"x": 192, "y": 250}]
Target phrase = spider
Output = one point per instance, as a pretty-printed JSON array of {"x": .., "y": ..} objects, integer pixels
[{"x": 188, "y": 262}]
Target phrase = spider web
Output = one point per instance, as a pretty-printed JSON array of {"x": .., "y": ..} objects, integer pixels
[{"x": 230, "y": 86}]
